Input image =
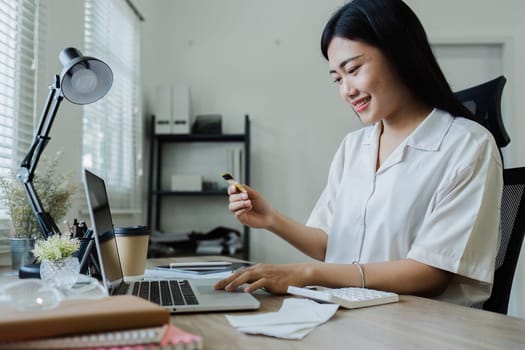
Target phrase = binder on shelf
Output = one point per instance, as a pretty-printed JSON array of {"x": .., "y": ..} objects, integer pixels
[
  {"x": 172, "y": 109},
  {"x": 180, "y": 101},
  {"x": 236, "y": 163},
  {"x": 163, "y": 115}
]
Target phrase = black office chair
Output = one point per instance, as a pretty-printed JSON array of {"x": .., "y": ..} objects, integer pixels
[
  {"x": 484, "y": 101},
  {"x": 512, "y": 232}
]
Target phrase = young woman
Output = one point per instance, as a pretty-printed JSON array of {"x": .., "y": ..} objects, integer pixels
[{"x": 412, "y": 199}]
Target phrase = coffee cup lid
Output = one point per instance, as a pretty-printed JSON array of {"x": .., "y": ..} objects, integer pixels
[
  {"x": 106, "y": 236},
  {"x": 131, "y": 231}
]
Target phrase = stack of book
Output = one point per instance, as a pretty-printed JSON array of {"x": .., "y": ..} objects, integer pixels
[{"x": 125, "y": 322}]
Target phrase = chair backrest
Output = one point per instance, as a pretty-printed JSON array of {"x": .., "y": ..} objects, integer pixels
[
  {"x": 484, "y": 101},
  {"x": 512, "y": 230}
]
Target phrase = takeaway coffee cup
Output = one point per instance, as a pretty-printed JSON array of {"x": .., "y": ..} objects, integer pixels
[{"x": 132, "y": 245}]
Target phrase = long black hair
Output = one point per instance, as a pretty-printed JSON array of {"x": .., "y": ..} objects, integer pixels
[{"x": 392, "y": 27}]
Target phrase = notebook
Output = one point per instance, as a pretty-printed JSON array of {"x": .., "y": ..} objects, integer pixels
[
  {"x": 176, "y": 295},
  {"x": 164, "y": 337},
  {"x": 80, "y": 316}
]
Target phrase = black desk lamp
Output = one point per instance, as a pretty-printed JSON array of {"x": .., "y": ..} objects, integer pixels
[{"x": 83, "y": 80}]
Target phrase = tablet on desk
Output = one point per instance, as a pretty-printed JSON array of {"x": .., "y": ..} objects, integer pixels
[{"x": 203, "y": 267}]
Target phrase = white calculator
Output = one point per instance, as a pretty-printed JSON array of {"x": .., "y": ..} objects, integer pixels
[{"x": 349, "y": 297}]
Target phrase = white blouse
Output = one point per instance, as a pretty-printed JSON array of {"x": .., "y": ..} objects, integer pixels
[{"x": 436, "y": 199}]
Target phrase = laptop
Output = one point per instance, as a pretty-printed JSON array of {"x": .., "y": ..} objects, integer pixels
[{"x": 176, "y": 295}]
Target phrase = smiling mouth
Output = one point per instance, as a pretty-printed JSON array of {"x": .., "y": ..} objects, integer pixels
[{"x": 361, "y": 104}]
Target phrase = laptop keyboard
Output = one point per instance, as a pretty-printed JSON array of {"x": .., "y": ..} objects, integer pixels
[{"x": 165, "y": 293}]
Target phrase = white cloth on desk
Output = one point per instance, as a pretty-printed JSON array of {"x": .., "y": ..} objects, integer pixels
[
  {"x": 296, "y": 318},
  {"x": 435, "y": 199}
]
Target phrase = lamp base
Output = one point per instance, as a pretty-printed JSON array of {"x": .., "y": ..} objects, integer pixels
[{"x": 29, "y": 271}]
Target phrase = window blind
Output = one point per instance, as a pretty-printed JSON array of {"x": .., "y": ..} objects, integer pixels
[
  {"x": 20, "y": 23},
  {"x": 111, "y": 126}
]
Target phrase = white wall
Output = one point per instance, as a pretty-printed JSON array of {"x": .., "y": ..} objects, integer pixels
[{"x": 262, "y": 58}]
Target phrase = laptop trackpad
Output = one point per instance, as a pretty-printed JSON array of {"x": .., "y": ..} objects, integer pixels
[{"x": 208, "y": 289}]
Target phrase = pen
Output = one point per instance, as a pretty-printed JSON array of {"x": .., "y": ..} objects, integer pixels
[
  {"x": 67, "y": 227},
  {"x": 81, "y": 229},
  {"x": 74, "y": 229}
]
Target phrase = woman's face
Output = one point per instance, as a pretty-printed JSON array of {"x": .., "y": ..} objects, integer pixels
[{"x": 367, "y": 80}]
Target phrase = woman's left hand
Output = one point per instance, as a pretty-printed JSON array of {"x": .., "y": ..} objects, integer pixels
[{"x": 274, "y": 278}]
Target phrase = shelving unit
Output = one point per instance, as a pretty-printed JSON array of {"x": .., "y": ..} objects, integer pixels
[{"x": 157, "y": 195}]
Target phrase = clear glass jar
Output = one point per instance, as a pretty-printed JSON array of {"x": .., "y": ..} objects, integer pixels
[{"x": 60, "y": 273}]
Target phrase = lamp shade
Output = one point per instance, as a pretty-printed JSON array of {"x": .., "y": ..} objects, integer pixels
[{"x": 83, "y": 79}]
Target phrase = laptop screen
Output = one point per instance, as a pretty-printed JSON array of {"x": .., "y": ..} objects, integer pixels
[{"x": 102, "y": 222}]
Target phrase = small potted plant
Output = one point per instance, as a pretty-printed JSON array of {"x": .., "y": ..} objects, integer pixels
[
  {"x": 58, "y": 265},
  {"x": 55, "y": 193}
]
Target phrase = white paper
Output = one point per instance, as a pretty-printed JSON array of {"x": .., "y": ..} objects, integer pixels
[{"x": 296, "y": 318}]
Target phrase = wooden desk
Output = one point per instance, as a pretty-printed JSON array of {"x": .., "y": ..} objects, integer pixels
[{"x": 412, "y": 323}]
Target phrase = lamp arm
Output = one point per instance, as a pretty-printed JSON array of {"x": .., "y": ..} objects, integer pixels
[
  {"x": 28, "y": 166},
  {"x": 29, "y": 161},
  {"x": 46, "y": 223}
]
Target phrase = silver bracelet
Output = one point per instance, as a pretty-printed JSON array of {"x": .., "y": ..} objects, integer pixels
[{"x": 363, "y": 284}]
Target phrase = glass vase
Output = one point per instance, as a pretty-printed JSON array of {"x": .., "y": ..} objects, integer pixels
[
  {"x": 21, "y": 252},
  {"x": 60, "y": 273}
]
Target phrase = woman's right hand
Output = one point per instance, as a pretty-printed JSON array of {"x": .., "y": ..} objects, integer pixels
[{"x": 250, "y": 208}]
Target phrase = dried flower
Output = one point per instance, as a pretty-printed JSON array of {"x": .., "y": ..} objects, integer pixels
[
  {"x": 56, "y": 247},
  {"x": 53, "y": 189}
]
